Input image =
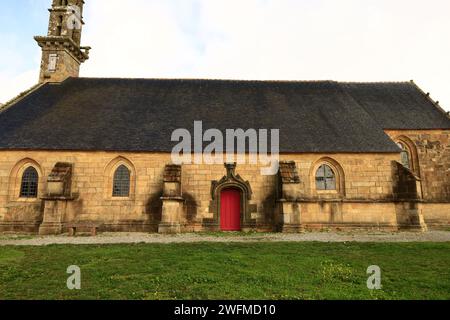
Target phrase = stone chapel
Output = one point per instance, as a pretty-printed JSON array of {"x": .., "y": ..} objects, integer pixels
[{"x": 96, "y": 152}]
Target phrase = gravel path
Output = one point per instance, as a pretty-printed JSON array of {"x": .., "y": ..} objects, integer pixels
[{"x": 123, "y": 238}]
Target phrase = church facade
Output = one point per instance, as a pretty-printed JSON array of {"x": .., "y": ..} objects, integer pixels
[{"x": 91, "y": 152}]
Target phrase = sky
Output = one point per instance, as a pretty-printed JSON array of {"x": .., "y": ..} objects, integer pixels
[{"x": 342, "y": 40}]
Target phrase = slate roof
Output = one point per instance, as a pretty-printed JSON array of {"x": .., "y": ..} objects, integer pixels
[
  {"x": 398, "y": 105},
  {"x": 141, "y": 114}
]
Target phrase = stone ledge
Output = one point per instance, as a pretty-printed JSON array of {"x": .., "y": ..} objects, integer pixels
[
  {"x": 57, "y": 198},
  {"x": 336, "y": 226},
  {"x": 374, "y": 201},
  {"x": 169, "y": 228},
  {"x": 180, "y": 199}
]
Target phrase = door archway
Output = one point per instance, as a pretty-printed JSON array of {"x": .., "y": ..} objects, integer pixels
[
  {"x": 230, "y": 209},
  {"x": 232, "y": 181}
]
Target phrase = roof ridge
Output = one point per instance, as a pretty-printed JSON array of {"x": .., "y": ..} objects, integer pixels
[
  {"x": 374, "y": 82},
  {"x": 20, "y": 96},
  {"x": 205, "y": 79},
  {"x": 244, "y": 80}
]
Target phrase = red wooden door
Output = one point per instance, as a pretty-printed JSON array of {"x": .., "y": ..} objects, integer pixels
[{"x": 230, "y": 210}]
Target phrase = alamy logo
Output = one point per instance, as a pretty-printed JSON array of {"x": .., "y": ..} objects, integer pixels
[
  {"x": 228, "y": 147},
  {"x": 374, "y": 281},
  {"x": 74, "y": 21},
  {"x": 74, "y": 280}
]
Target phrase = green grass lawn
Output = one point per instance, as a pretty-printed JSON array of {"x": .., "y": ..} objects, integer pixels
[{"x": 227, "y": 271}]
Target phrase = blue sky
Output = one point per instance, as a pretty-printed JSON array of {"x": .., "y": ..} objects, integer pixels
[
  {"x": 19, "y": 21},
  {"x": 346, "y": 40}
]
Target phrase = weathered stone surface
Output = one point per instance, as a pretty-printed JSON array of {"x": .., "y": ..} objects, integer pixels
[
  {"x": 62, "y": 54},
  {"x": 59, "y": 181},
  {"x": 433, "y": 160},
  {"x": 288, "y": 172},
  {"x": 368, "y": 197}
]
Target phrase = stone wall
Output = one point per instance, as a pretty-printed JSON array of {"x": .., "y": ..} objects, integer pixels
[
  {"x": 433, "y": 157},
  {"x": 340, "y": 215},
  {"x": 436, "y": 215},
  {"x": 366, "y": 177},
  {"x": 91, "y": 187},
  {"x": 66, "y": 65},
  {"x": 365, "y": 197}
]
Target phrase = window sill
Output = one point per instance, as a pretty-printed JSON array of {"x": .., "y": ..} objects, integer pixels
[
  {"x": 121, "y": 199},
  {"x": 27, "y": 199},
  {"x": 326, "y": 192},
  {"x": 21, "y": 202}
]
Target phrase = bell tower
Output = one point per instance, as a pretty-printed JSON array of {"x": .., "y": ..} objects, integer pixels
[{"x": 62, "y": 54}]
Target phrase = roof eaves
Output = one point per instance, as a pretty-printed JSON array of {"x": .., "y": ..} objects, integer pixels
[{"x": 20, "y": 97}]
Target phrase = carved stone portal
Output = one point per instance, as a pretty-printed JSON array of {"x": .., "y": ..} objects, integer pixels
[{"x": 232, "y": 181}]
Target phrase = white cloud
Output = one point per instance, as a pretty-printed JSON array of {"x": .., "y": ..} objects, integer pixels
[
  {"x": 13, "y": 85},
  {"x": 139, "y": 39},
  {"x": 13, "y": 82},
  {"x": 347, "y": 40}
]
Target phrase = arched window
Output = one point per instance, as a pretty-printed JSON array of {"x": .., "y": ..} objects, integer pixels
[
  {"x": 29, "y": 185},
  {"x": 121, "y": 183},
  {"x": 405, "y": 155},
  {"x": 325, "y": 178}
]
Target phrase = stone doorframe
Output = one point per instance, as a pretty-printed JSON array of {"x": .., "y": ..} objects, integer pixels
[{"x": 233, "y": 181}]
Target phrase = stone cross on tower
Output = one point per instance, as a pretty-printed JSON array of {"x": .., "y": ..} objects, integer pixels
[{"x": 62, "y": 54}]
